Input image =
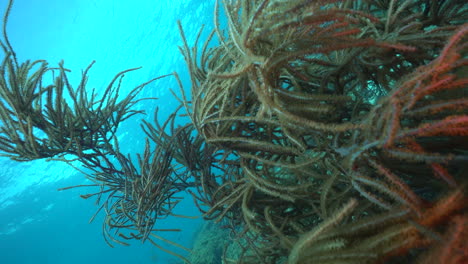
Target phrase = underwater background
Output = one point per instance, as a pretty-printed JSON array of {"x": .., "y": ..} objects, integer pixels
[
  {"x": 39, "y": 224},
  {"x": 311, "y": 131}
]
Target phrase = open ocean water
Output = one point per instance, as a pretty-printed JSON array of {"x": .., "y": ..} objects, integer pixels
[{"x": 39, "y": 224}]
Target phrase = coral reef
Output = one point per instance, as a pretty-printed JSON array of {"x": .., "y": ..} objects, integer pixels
[
  {"x": 209, "y": 244},
  {"x": 320, "y": 132}
]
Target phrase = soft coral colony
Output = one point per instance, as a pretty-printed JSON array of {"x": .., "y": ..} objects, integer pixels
[{"x": 320, "y": 132}]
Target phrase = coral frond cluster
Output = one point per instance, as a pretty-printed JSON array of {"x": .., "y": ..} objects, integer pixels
[{"x": 331, "y": 131}]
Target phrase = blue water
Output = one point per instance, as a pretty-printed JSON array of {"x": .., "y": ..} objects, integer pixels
[{"x": 39, "y": 224}]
